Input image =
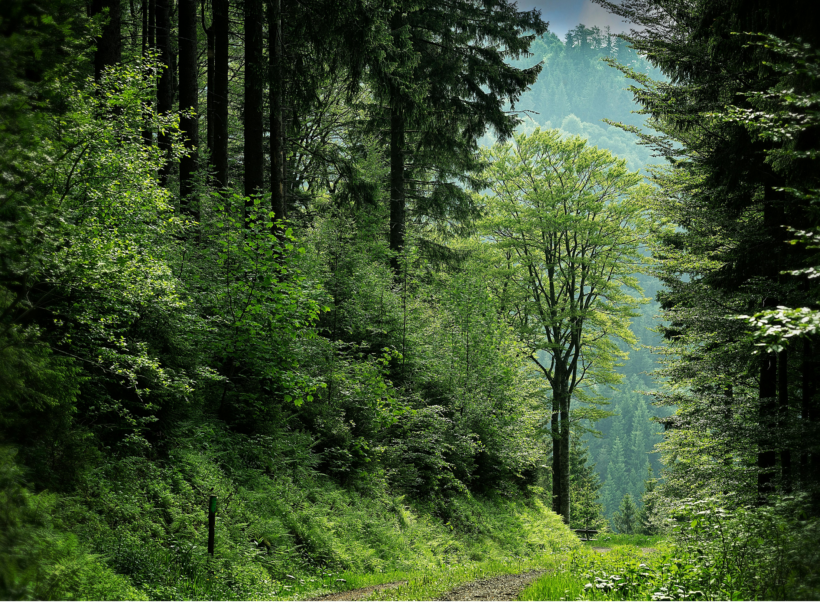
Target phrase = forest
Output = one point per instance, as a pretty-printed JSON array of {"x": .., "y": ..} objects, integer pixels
[{"x": 302, "y": 297}]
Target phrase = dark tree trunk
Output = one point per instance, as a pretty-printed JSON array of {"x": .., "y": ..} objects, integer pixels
[
  {"x": 165, "y": 89},
  {"x": 220, "y": 114},
  {"x": 557, "y": 451},
  {"x": 209, "y": 108},
  {"x": 784, "y": 419},
  {"x": 809, "y": 460},
  {"x": 398, "y": 197},
  {"x": 149, "y": 10},
  {"x": 188, "y": 100},
  {"x": 397, "y": 191},
  {"x": 109, "y": 44},
  {"x": 254, "y": 159},
  {"x": 563, "y": 501},
  {"x": 277, "y": 130},
  {"x": 766, "y": 456}
]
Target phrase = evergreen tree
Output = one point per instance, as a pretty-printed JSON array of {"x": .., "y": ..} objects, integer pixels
[
  {"x": 615, "y": 483},
  {"x": 728, "y": 253},
  {"x": 625, "y": 519}
]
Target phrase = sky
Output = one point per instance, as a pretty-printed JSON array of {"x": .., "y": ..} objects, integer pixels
[{"x": 563, "y": 15}]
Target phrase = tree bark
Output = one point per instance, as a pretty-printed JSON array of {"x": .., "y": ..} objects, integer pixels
[
  {"x": 221, "y": 29},
  {"x": 766, "y": 456},
  {"x": 809, "y": 461},
  {"x": 398, "y": 197},
  {"x": 254, "y": 156},
  {"x": 149, "y": 10},
  {"x": 109, "y": 44},
  {"x": 555, "y": 433},
  {"x": 165, "y": 89},
  {"x": 397, "y": 192},
  {"x": 209, "y": 98},
  {"x": 783, "y": 422},
  {"x": 277, "y": 131},
  {"x": 563, "y": 501},
  {"x": 188, "y": 100}
]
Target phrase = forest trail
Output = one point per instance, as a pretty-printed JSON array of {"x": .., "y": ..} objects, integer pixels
[{"x": 499, "y": 588}]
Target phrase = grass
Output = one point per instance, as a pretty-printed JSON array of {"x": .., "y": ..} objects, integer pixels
[
  {"x": 639, "y": 540},
  {"x": 585, "y": 574},
  {"x": 287, "y": 532}
]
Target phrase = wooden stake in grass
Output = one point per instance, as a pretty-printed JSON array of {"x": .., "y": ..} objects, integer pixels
[{"x": 211, "y": 524}]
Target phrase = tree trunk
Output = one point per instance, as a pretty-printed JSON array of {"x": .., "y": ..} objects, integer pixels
[
  {"x": 557, "y": 452},
  {"x": 254, "y": 78},
  {"x": 109, "y": 44},
  {"x": 277, "y": 131},
  {"x": 188, "y": 100},
  {"x": 220, "y": 114},
  {"x": 149, "y": 10},
  {"x": 165, "y": 89},
  {"x": 398, "y": 198},
  {"x": 809, "y": 461},
  {"x": 209, "y": 98},
  {"x": 563, "y": 501},
  {"x": 783, "y": 422},
  {"x": 766, "y": 456},
  {"x": 397, "y": 192}
]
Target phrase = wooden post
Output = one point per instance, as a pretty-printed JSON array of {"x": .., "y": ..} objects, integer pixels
[{"x": 211, "y": 524}]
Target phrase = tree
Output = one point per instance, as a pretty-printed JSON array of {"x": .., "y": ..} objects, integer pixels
[
  {"x": 584, "y": 487},
  {"x": 625, "y": 519},
  {"x": 445, "y": 86},
  {"x": 188, "y": 99},
  {"x": 219, "y": 114},
  {"x": 254, "y": 156},
  {"x": 565, "y": 223},
  {"x": 729, "y": 251}
]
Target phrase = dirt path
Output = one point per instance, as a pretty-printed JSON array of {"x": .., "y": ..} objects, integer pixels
[{"x": 500, "y": 588}]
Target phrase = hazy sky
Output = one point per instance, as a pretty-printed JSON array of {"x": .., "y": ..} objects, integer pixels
[{"x": 566, "y": 14}]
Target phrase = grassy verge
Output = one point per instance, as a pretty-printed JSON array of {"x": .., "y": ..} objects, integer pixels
[
  {"x": 585, "y": 574},
  {"x": 284, "y": 531}
]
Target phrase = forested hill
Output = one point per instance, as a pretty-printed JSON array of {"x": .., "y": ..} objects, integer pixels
[{"x": 577, "y": 90}]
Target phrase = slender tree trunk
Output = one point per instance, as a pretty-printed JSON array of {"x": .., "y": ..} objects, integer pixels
[
  {"x": 398, "y": 197},
  {"x": 188, "y": 100},
  {"x": 220, "y": 115},
  {"x": 209, "y": 99},
  {"x": 254, "y": 78},
  {"x": 766, "y": 456},
  {"x": 109, "y": 44},
  {"x": 397, "y": 187},
  {"x": 277, "y": 130},
  {"x": 563, "y": 502},
  {"x": 783, "y": 422},
  {"x": 148, "y": 44},
  {"x": 809, "y": 460},
  {"x": 165, "y": 90},
  {"x": 557, "y": 451}
]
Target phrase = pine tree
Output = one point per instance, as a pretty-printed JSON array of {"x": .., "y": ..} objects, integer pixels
[
  {"x": 615, "y": 484},
  {"x": 649, "y": 520},
  {"x": 625, "y": 520}
]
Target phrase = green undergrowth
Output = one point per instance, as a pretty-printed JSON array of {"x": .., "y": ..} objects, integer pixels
[
  {"x": 640, "y": 540},
  {"x": 613, "y": 575},
  {"x": 284, "y": 530}
]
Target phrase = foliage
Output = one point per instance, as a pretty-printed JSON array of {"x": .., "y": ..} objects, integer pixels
[
  {"x": 625, "y": 519},
  {"x": 562, "y": 234}
]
